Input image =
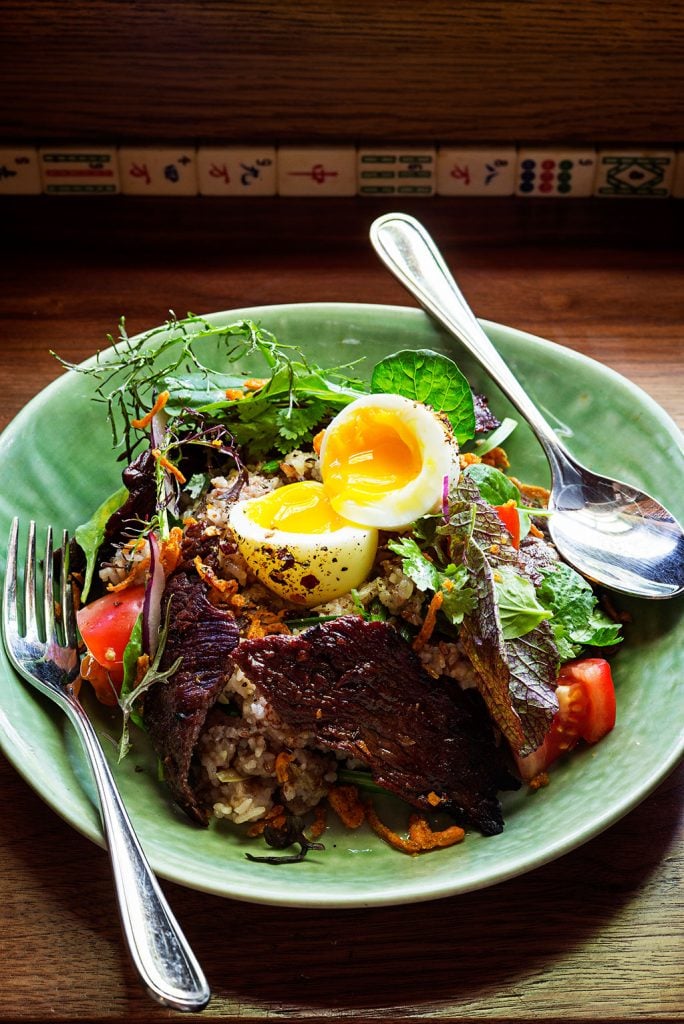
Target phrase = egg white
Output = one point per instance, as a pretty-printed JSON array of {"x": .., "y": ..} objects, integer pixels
[{"x": 304, "y": 569}]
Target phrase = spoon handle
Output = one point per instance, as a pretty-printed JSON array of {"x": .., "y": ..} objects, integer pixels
[{"x": 407, "y": 249}]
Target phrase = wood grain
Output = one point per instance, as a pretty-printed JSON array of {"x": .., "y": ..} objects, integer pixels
[
  {"x": 594, "y": 936},
  {"x": 479, "y": 70}
]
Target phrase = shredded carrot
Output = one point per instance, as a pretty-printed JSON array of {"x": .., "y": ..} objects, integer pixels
[
  {"x": 234, "y": 394},
  {"x": 320, "y": 822},
  {"x": 497, "y": 458},
  {"x": 256, "y": 383},
  {"x": 136, "y": 570},
  {"x": 386, "y": 833},
  {"x": 429, "y": 621},
  {"x": 533, "y": 494},
  {"x": 346, "y": 804},
  {"x": 318, "y": 441},
  {"x": 421, "y": 838},
  {"x": 265, "y": 623},
  {"x": 535, "y": 531},
  {"x": 98, "y": 677},
  {"x": 275, "y": 817},
  {"x": 142, "y": 665},
  {"x": 145, "y": 420},
  {"x": 539, "y": 781},
  {"x": 170, "y": 549},
  {"x": 289, "y": 471},
  {"x": 282, "y": 766},
  {"x": 224, "y": 588},
  {"x": 427, "y": 839},
  {"x": 468, "y": 459},
  {"x": 169, "y": 466}
]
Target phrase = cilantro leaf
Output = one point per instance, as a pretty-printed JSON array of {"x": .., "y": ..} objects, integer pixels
[
  {"x": 296, "y": 425},
  {"x": 451, "y": 582},
  {"x": 431, "y": 378}
]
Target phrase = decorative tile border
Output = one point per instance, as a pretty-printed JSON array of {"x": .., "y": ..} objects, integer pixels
[{"x": 345, "y": 170}]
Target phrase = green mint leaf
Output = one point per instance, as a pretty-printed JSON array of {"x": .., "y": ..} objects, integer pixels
[
  {"x": 578, "y": 620},
  {"x": 89, "y": 536},
  {"x": 433, "y": 379},
  {"x": 516, "y": 599},
  {"x": 494, "y": 486}
]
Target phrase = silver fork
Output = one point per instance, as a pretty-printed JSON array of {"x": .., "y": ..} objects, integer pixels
[{"x": 49, "y": 660}]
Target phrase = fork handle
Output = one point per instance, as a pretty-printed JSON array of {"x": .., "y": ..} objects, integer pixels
[{"x": 158, "y": 948}]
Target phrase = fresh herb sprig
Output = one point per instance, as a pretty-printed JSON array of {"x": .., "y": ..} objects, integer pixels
[{"x": 172, "y": 357}]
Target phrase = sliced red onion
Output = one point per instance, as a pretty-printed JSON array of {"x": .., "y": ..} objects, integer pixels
[
  {"x": 151, "y": 620},
  {"x": 445, "y": 498}
]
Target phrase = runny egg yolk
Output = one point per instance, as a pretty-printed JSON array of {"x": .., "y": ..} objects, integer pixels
[
  {"x": 386, "y": 460},
  {"x": 371, "y": 452},
  {"x": 299, "y": 547},
  {"x": 298, "y": 508}
]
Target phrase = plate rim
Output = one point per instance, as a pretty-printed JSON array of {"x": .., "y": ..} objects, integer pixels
[{"x": 405, "y": 893}]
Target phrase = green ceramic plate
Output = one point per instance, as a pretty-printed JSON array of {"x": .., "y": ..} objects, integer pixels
[{"x": 56, "y": 465}]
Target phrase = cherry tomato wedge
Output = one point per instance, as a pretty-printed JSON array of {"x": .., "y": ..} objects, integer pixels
[
  {"x": 508, "y": 514},
  {"x": 587, "y": 710},
  {"x": 106, "y": 626}
]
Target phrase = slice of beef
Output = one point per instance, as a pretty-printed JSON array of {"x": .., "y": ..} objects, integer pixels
[
  {"x": 175, "y": 709},
  {"x": 360, "y": 688}
]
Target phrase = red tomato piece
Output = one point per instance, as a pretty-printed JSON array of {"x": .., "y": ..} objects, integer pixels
[
  {"x": 587, "y": 710},
  {"x": 106, "y": 626},
  {"x": 508, "y": 514}
]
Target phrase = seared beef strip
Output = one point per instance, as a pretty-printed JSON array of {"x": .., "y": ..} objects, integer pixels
[
  {"x": 175, "y": 710},
  {"x": 360, "y": 688}
]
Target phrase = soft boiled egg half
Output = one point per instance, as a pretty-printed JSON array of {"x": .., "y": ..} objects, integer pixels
[
  {"x": 299, "y": 547},
  {"x": 385, "y": 460}
]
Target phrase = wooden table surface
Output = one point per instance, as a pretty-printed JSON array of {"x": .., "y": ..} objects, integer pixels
[{"x": 596, "y": 935}]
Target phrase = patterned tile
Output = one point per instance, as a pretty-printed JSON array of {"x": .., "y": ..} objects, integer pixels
[
  {"x": 476, "y": 170},
  {"x": 633, "y": 172},
  {"x": 158, "y": 171},
  {"x": 555, "y": 171},
  {"x": 19, "y": 171},
  {"x": 317, "y": 171},
  {"x": 408, "y": 171},
  {"x": 86, "y": 170},
  {"x": 236, "y": 170},
  {"x": 678, "y": 178}
]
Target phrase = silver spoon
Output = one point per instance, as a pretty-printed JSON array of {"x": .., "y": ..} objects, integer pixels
[{"x": 612, "y": 533}]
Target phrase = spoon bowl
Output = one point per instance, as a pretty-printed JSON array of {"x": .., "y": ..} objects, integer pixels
[{"x": 611, "y": 532}]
